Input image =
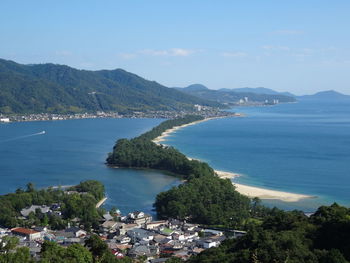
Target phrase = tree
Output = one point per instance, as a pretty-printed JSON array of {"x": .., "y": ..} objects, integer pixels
[{"x": 30, "y": 188}]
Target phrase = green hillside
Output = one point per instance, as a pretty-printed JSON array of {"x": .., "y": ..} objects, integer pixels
[
  {"x": 232, "y": 96},
  {"x": 62, "y": 89}
]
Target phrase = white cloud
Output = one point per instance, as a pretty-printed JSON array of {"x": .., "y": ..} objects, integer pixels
[{"x": 234, "y": 54}]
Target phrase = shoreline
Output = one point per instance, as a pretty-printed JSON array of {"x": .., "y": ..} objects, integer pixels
[
  {"x": 262, "y": 193},
  {"x": 101, "y": 202},
  {"x": 247, "y": 190},
  {"x": 168, "y": 132}
]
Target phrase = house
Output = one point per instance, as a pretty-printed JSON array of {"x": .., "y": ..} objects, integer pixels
[
  {"x": 4, "y": 120},
  {"x": 126, "y": 227},
  {"x": 139, "y": 234},
  {"x": 143, "y": 250},
  {"x": 70, "y": 233},
  {"x": 27, "y": 233},
  {"x": 155, "y": 224},
  {"x": 174, "y": 224},
  {"x": 76, "y": 231},
  {"x": 212, "y": 232},
  {"x": 158, "y": 260},
  {"x": 110, "y": 225},
  {"x": 209, "y": 243},
  {"x": 238, "y": 233},
  {"x": 214, "y": 241},
  {"x": 138, "y": 251},
  {"x": 43, "y": 209},
  {"x": 139, "y": 218},
  {"x": 123, "y": 239},
  {"x": 108, "y": 217}
]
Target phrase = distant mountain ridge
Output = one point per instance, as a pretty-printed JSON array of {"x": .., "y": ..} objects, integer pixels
[
  {"x": 63, "y": 89},
  {"x": 326, "y": 95},
  {"x": 262, "y": 90},
  {"x": 232, "y": 96}
]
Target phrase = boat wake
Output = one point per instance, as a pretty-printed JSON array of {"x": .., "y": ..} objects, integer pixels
[{"x": 24, "y": 136}]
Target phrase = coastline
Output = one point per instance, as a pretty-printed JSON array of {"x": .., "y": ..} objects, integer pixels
[
  {"x": 250, "y": 191},
  {"x": 168, "y": 132},
  {"x": 262, "y": 193}
]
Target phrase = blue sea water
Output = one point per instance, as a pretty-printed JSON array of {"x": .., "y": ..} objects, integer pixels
[
  {"x": 302, "y": 147},
  {"x": 75, "y": 150}
]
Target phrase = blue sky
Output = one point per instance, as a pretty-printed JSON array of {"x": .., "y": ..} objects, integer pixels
[{"x": 297, "y": 46}]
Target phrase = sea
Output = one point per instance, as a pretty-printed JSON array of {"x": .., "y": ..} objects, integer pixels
[
  {"x": 300, "y": 147},
  {"x": 72, "y": 151}
]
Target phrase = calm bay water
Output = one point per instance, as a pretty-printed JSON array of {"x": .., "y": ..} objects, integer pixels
[
  {"x": 302, "y": 147},
  {"x": 75, "y": 150}
]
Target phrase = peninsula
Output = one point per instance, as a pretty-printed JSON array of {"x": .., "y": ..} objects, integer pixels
[{"x": 250, "y": 191}]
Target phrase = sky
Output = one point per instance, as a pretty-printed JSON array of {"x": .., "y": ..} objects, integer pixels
[{"x": 290, "y": 45}]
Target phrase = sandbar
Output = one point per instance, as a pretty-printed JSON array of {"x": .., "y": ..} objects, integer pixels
[
  {"x": 167, "y": 132},
  {"x": 262, "y": 193},
  {"x": 250, "y": 191}
]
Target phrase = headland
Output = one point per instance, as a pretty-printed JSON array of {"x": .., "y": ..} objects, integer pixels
[{"x": 250, "y": 191}]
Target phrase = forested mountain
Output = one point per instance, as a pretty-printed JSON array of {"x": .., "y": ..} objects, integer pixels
[
  {"x": 232, "y": 96},
  {"x": 261, "y": 90},
  {"x": 62, "y": 89},
  {"x": 326, "y": 95}
]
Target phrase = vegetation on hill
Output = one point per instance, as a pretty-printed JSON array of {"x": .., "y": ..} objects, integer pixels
[
  {"x": 94, "y": 251},
  {"x": 289, "y": 237},
  {"x": 206, "y": 200},
  {"x": 141, "y": 152},
  {"x": 81, "y": 204},
  {"x": 272, "y": 235},
  {"x": 62, "y": 89},
  {"x": 228, "y": 96}
]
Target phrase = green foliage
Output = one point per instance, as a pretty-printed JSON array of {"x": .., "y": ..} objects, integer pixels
[
  {"x": 230, "y": 96},
  {"x": 207, "y": 200},
  {"x": 62, "y": 89},
  {"x": 100, "y": 251},
  {"x": 141, "y": 152},
  {"x": 82, "y": 205},
  {"x": 93, "y": 187},
  {"x": 53, "y": 253},
  {"x": 168, "y": 124},
  {"x": 8, "y": 243},
  {"x": 20, "y": 255},
  {"x": 289, "y": 237}
]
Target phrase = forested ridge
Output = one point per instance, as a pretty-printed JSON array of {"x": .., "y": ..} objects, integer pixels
[
  {"x": 204, "y": 198},
  {"x": 289, "y": 237},
  {"x": 142, "y": 152},
  {"x": 53, "y": 88}
]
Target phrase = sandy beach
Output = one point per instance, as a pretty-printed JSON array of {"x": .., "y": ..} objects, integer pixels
[
  {"x": 262, "y": 193},
  {"x": 250, "y": 191},
  {"x": 166, "y": 133}
]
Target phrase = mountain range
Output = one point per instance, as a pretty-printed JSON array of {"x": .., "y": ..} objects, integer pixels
[
  {"x": 61, "y": 89},
  {"x": 325, "y": 95},
  {"x": 232, "y": 96}
]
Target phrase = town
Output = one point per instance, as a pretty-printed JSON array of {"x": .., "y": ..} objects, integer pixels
[
  {"x": 207, "y": 112},
  {"x": 133, "y": 235}
]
